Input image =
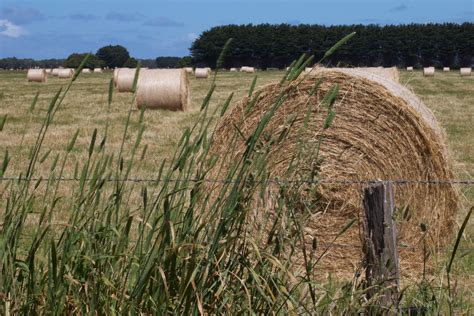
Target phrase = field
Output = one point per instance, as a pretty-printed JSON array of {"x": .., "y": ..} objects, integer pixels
[{"x": 86, "y": 108}]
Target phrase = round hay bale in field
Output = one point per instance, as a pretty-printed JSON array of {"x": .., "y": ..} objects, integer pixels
[
  {"x": 429, "y": 71},
  {"x": 410, "y": 68},
  {"x": 125, "y": 77},
  {"x": 98, "y": 70},
  {"x": 189, "y": 70},
  {"x": 465, "y": 72},
  {"x": 37, "y": 75},
  {"x": 116, "y": 70},
  {"x": 65, "y": 73},
  {"x": 445, "y": 69},
  {"x": 380, "y": 131},
  {"x": 247, "y": 69},
  {"x": 201, "y": 73},
  {"x": 86, "y": 71},
  {"x": 55, "y": 72},
  {"x": 233, "y": 69},
  {"x": 163, "y": 89}
]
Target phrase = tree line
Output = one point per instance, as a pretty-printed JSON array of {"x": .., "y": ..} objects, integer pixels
[{"x": 269, "y": 45}]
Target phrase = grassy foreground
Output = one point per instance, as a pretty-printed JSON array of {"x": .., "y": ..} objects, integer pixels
[{"x": 138, "y": 247}]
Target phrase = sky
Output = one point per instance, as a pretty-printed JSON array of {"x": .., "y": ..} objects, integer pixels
[{"x": 42, "y": 29}]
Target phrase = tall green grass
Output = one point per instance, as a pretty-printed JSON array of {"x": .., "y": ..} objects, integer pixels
[{"x": 162, "y": 246}]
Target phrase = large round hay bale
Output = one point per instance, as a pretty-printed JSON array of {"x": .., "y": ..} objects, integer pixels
[
  {"x": 116, "y": 70},
  {"x": 410, "y": 68},
  {"x": 446, "y": 69},
  {"x": 247, "y": 69},
  {"x": 380, "y": 131},
  {"x": 465, "y": 71},
  {"x": 37, "y": 75},
  {"x": 201, "y": 73},
  {"x": 65, "y": 73},
  {"x": 55, "y": 72},
  {"x": 189, "y": 70},
  {"x": 98, "y": 70},
  {"x": 429, "y": 71},
  {"x": 163, "y": 89},
  {"x": 125, "y": 77}
]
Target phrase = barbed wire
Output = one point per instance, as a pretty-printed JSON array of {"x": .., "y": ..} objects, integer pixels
[{"x": 265, "y": 181}]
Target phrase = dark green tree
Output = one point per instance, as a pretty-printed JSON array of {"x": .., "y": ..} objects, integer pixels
[
  {"x": 131, "y": 63},
  {"x": 167, "y": 62},
  {"x": 113, "y": 56},
  {"x": 75, "y": 59}
]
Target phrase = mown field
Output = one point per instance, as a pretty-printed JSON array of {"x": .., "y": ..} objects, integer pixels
[{"x": 86, "y": 109}]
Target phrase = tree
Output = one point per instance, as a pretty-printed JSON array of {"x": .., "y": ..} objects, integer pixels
[
  {"x": 186, "y": 61},
  {"x": 131, "y": 63},
  {"x": 74, "y": 60},
  {"x": 167, "y": 62},
  {"x": 113, "y": 56}
]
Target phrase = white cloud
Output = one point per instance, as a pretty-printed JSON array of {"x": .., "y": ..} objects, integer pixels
[{"x": 9, "y": 29}]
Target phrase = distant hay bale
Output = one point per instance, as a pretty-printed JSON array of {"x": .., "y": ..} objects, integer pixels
[
  {"x": 380, "y": 131},
  {"x": 446, "y": 69},
  {"x": 125, "y": 77},
  {"x": 201, "y": 73},
  {"x": 37, "y": 75},
  {"x": 48, "y": 71},
  {"x": 429, "y": 71},
  {"x": 465, "y": 72},
  {"x": 86, "y": 71},
  {"x": 163, "y": 89},
  {"x": 98, "y": 70},
  {"x": 65, "y": 73},
  {"x": 247, "y": 69},
  {"x": 233, "y": 69},
  {"x": 55, "y": 72},
  {"x": 189, "y": 70},
  {"x": 410, "y": 68}
]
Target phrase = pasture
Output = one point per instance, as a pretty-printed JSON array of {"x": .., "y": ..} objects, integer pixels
[{"x": 86, "y": 109}]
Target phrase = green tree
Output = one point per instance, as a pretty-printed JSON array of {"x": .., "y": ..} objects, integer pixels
[
  {"x": 113, "y": 56},
  {"x": 186, "y": 61},
  {"x": 167, "y": 62},
  {"x": 75, "y": 59},
  {"x": 131, "y": 63}
]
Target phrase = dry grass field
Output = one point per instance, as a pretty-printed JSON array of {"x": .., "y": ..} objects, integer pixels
[{"x": 85, "y": 108}]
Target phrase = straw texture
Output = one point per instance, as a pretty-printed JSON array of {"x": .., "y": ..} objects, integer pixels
[
  {"x": 465, "y": 72},
  {"x": 163, "y": 89},
  {"x": 201, "y": 73},
  {"x": 125, "y": 77},
  {"x": 37, "y": 75},
  {"x": 380, "y": 131},
  {"x": 429, "y": 71}
]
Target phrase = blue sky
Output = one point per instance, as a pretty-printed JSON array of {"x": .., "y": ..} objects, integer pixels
[{"x": 56, "y": 28}]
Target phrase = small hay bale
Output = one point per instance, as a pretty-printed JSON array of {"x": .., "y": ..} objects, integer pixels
[
  {"x": 247, "y": 69},
  {"x": 233, "y": 69},
  {"x": 201, "y": 73},
  {"x": 189, "y": 70},
  {"x": 410, "y": 68},
  {"x": 98, "y": 70},
  {"x": 163, "y": 89},
  {"x": 125, "y": 77},
  {"x": 429, "y": 71},
  {"x": 86, "y": 71},
  {"x": 37, "y": 75},
  {"x": 55, "y": 72},
  {"x": 65, "y": 73},
  {"x": 445, "y": 69},
  {"x": 381, "y": 130},
  {"x": 465, "y": 72}
]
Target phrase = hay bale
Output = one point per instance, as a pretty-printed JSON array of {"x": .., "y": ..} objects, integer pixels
[
  {"x": 445, "y": 69},
  {"x": 116, "y": 70},
  {"x": 125, "y": 77},
  {"x": 189, "y": 70},
  {"x": 98, "y": 70},
  {"x": 48, "y": 71},
  {"x": 65, "y": 73},
  {"x": 308, "y": 69},
  {"x": 429, "y": 71},
  {"x": 380, "y": 131},
  {"x": 247, "y": 69},
  {"x": 233, "y": 69},
  {"x": 55, "y": 72},
  {"x": 410, "y": 68},
  {"x": 163, "y": 89},
  {"x": 36, "y": 75},
  {"x": 201, "y": 73},
  {"x": 86, "y": 71},
  {"x": 465, "y": 72}
]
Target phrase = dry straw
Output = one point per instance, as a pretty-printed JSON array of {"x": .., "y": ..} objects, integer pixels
[
  {"x": 380, "y": 131},
  {"x": 201, "y": 73},
  {"x": 125, "y": 77},
  {"x": 465, "y": 72},
  {"x": 429, "y": 71},
  {"x": 98, "y": 70},
  {"x": 37, "y": 75},
  {"x": 116, "y": 70},
  {"x": 446, "y": 69},
  {"x": 163, "y": 89},
  {"x": 410, "y": 68},
  {"x": 65, "y": 73}
]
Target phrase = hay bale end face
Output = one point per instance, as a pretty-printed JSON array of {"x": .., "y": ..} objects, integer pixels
[
  {"x": 36, "y": 75},
  {"x": 380, "y": 131},
  {"x": 429, "y": 71},
  {"x": 125, "y": 78},
  {"x": 163, "y": 89},
  {"x": 201, "y": 73},
  {"x": 410, "y": 68},
  {"x": 465, "y": 72}
]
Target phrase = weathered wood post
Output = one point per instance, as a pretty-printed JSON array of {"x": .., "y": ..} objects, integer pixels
[{"x": 380, "y": 248}]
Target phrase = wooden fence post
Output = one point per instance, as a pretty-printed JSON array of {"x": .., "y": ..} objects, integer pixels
[{"x": 380, "y": 248}]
